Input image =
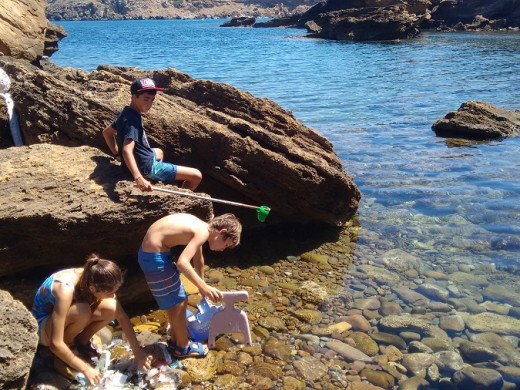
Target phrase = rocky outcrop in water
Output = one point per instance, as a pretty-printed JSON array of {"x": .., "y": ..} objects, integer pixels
[
  {"x": 249, "y": 150},
  {"x": 479, "y": 121},
  {"x": 390, "y": 19},
  {"x": 365, "y": 24},
  {"x": 243, "y": 21},
  {"x": 18, "y": 341},
  {"x": 475, "y": 14},
  {"x": 359, "y": 20}
]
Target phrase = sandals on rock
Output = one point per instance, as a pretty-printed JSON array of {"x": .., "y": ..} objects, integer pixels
[{"x": 194, "y": 349}]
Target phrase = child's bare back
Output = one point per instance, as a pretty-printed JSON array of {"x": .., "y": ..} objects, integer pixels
[{"x": 173, "y": 230}]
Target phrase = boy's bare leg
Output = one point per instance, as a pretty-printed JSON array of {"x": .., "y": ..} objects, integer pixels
[
  {"x": 190, "y": 176},
  {"x": 159, "y": 155},
  {"x": 178, "y": 328}
]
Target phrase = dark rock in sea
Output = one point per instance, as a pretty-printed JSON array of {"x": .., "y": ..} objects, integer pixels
[
  {"x": 499, "y": 13},
  {"x": 456, "y": 15},
  {"x": 359, "y": 20},
  {"x": 288, "y": 21},
  {"x": 18, "y": 342},
  {"x": 366, "y": 24},
  {"x": 479, "y": 121},
  {"x": 249, "y": 150},
  {"x": 243, "y": 21}
]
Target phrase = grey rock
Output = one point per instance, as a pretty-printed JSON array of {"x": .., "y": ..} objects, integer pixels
[
  {"x": 405, "y": 322},
  {"x": 471, "y": 378},
  {"x": 417, "y": 346},
  {"x": 389, "y": 339},
  {"x": 453, "y": 323},
  {"x": 491, "y": 322},
  {"x": 503, "y": 294},
  {"x": 448, "y": 362},
  {"x": 418, "y": 363},
  {"x": 350, "y": 354},
  {"x": 510, "y": 374},
  {"x": 410, "y": 296},
  {"x": 475, "y": 352},
  {"x": 433, "y": 291}
]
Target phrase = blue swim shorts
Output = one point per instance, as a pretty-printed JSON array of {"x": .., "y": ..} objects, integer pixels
[
  {"x": 163, "y": 171},
  {"x": 162, "y": 277}
]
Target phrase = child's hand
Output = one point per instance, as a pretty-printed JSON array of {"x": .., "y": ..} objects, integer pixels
[
  {"x": 93, "y": 375},
  {"x": 143, "y": 184},
  {"x": 144, "y": 361},
  {"x": 212, "y": 293}
]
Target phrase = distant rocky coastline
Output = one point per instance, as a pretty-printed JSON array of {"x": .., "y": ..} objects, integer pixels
[{"x": 174, "y": 9}]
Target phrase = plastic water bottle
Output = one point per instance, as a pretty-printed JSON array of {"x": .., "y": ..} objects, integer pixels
[{"x": 103, "y": 361}]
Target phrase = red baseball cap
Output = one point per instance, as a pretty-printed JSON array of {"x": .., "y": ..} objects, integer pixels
[{"x": 145, "y": 84}]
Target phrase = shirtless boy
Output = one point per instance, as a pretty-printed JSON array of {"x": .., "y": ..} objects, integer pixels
[{"x": 162, "y": 271}]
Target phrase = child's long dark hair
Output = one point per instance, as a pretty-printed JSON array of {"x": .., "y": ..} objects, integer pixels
[{"x": 103, "y": 275}]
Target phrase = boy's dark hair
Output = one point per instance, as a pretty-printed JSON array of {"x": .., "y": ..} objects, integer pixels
[
  {"x": 231, "y": 224},
  {"x": 103, "y": 275},
  {"x": 137, "y": 94}
]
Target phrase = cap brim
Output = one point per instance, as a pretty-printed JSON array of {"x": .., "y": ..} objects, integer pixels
[{"x": 151, "y": 89}]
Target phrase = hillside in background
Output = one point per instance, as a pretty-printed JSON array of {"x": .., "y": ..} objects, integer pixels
[{"x": 171, "y": 9}]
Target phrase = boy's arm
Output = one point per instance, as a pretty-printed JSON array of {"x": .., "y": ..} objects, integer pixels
[
  {"x": 128, "y": 155},
  {"x": 184, "y": 266},
  {"x": 144, "y": 361},
  {"x": 109, "y": 134},
  {"x": 198, "y": 262}
]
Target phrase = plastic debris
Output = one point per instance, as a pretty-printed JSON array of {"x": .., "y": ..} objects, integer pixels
[{"x": 198, "y": 324}]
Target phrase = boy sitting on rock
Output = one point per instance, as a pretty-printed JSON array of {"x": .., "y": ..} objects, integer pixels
[{"x": 126, "y": 135}]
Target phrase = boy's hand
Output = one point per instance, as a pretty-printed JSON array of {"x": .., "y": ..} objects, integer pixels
[
  {"x": 212, "y": 293},
  {"x": 144, "y": 361},
  {"x": 143, "y": 184}
]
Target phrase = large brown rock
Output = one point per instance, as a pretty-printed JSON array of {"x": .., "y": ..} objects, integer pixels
[
  {"x": 479, "y": 121},
  {"x": 60, "y": 204},
  {"x": 18, "y": 342},
  {"x": 250, "y": 150},
  {"x": 22, "y": 28}
]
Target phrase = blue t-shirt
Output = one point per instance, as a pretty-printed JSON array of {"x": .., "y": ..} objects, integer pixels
[{"x": 129, "y": 125}]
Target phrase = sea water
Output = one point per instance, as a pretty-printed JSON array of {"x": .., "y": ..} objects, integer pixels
[{"x": 441, "y": 200}]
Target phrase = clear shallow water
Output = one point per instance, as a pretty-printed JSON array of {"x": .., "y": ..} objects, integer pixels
[{"x": 376, "y": 102}]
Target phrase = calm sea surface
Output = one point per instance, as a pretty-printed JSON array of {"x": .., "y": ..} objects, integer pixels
[{"x": 376, "y": 102}]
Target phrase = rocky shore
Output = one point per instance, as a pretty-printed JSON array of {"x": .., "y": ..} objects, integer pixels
[
  {"x": 332, "y": 319},
  {"x": 325, "y": 311}
]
